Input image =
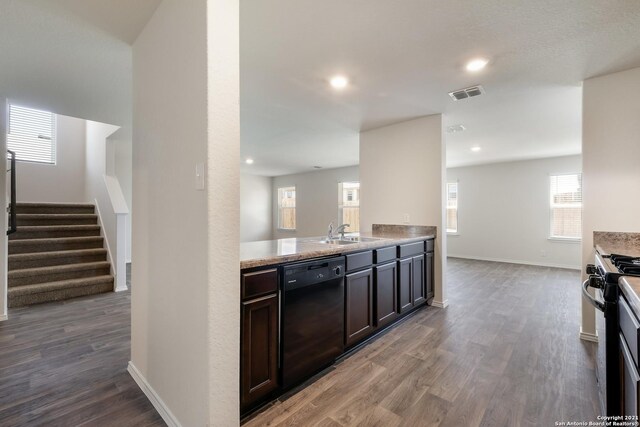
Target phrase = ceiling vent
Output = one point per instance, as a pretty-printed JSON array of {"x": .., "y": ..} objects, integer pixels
[{"x": 465, "y": 93}]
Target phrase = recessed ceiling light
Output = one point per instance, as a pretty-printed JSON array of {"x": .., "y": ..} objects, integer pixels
[
  {"x": 339, "y": 82},
  {"x": 476, "y": 64},
  {"x": 249, "y": 161},
  {"x": 475, "y": 149}
]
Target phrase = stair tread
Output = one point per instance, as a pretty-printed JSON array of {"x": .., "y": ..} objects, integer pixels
[
  {"x": 57, "y": 269},
  {"x": 55, "y": 239},
  {"x": 56, "y": 215},
  {"x": 56, "y": 205},
  {"x": 57, "y": 254},
  {"x": 59, "y": 227},
  {"x": 61, "y": 284}
]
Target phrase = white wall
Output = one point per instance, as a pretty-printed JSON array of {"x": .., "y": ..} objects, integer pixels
[
  {"x": 3, "y": 212},
  {"x": 186, "y": 293},
  {"x": 64, "y": 181},
  {"x": 255, "y": 207},
  {"x": 503, "y": 213},
  {"x": 610, "y": 154},
  {"x": 120, "y": 146},
  {"x": 402, "y": 172},
  {"x": 316, "y": 200}
]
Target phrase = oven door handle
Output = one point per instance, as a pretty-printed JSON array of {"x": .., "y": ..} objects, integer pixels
[{"x": 594, "y": 302}]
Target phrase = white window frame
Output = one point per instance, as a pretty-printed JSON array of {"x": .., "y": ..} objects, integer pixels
[
  {"x": 341, "y": 205},
  {"x": 280, "y": 207},
  {"x": 550, "y": 207},
  {"x": 20, "y": 140},
  {"x": 452, "y": 232}
]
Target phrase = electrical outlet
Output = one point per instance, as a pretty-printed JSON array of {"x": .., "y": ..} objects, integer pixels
[
  {"x": 200, "y": 176},
  {"x": 405, "y": 218},
  {"x": 543, "y": 253}
]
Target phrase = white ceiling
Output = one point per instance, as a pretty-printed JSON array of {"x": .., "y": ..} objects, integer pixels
[
  {"x": 72, "y": 57},
  {"x": 403, "y": 58}
]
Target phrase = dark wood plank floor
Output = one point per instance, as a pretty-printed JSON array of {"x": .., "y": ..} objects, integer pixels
[
  {"x": 64, "y": 364},
  {"x": 506, "y": 352}
]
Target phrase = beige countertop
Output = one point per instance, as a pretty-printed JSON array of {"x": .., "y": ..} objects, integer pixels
[
  {"x": 270, "y": 252},
  {"x": 630, "y": 287},
  {"x": 607, "y": 243}
]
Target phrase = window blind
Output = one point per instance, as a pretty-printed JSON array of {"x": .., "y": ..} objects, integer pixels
[
  {"x": 32, "y": 134},
  {"x": 452, "y": 207},
  {"x": 566, "y": 206},
  {"x": 349, "y": 205},
  {"x": 287, "y": 208}
]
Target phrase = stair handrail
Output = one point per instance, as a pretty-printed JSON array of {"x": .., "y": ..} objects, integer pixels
[{"x": 13, "y": 226}]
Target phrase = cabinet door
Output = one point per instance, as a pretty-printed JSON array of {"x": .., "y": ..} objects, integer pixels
[
  {"x": 386, "y": 291},
  {"x": 429, "y": 274},
  {"x": 358, "y": 306},
  {"x": 405, "y": 272},
  {"x": 630, "y": 380},
  {"x": 259, "y": 349},
  {"x": 418, "y": 283}
]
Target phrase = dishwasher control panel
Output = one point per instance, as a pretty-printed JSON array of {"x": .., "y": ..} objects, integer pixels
[{"x": 313, "y": 272}]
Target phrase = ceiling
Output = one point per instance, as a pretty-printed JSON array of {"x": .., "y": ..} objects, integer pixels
[
  {"x": 72, "y": 57},
  {"x": 403, "y": 58}
]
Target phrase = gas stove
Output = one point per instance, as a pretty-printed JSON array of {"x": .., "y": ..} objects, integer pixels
[{"x": 627, "y": 265}]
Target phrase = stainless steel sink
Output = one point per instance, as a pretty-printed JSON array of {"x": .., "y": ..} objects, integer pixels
[
  {"x": 346, "y": 240},
  {"x": 336, "y": 241},
  {"x": 360, "y": 239}
]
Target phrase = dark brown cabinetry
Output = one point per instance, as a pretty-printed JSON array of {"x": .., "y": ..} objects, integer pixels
[
  {"x": 429, "y": 274},
  {"x": 629, "y": 380},
  {"x": 385, "y": 292},
  {"x": 405, "y": 275},
  {"x": 418, "y": 279},
  {"x": 259, "y": 336},
  {"x": 358, "y": 306}
]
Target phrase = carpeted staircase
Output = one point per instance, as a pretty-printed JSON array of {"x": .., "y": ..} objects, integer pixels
[{"x": 56, "y": 254}]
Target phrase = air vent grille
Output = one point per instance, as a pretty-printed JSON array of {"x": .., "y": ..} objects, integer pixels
[{"x": 465, "y": 93}]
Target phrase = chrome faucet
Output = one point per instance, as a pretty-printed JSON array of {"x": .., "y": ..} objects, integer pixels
[{"x": 339, "y": 229}]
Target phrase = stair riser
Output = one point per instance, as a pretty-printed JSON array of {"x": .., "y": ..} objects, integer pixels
[
  {"x": 46, "y": 262},
  {"x": 56, "y": 221},
  {"x": 58, "y": 295},
  {"x": 55, "y": 277},
  {"x": 21, "y": 209},
  {"x": 52, "y": 246},
  {"x": 52, "y": 234}
]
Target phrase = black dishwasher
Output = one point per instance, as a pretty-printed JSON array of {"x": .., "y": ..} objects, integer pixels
[{"x": 312, "y": 317}]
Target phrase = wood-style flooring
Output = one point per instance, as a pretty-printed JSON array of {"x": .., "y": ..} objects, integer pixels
[
  {"x": 64, "y": 364},
  {"x": 505, "y": 352}
]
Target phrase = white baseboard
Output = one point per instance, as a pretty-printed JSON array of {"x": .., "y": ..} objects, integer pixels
[
  {"x": 514, "y": 261},
  {"x": 122, "y": 289},
  {"x": 3, "y": 317},
  {"x": 153, "y": 397},
  {"x": 440, "y": 304},
  {"x": 587, "y": 336}
]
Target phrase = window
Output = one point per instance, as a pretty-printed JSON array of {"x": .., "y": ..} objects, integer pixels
[
  {"x": 452, "y": 207},
  {"x": 349, "y": 205},
  {"x": 287, "y": 208},
  {"x": 566, "y": 206},
  {"x": 32, "y": 135}
]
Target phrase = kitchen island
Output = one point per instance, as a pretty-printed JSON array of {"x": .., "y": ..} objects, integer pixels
[{"x": 307, "y": 302}]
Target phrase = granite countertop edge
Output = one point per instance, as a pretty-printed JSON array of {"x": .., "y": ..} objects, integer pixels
[
  {"x": 319, "y": 250},
  {"x": 630, "y": 287}
]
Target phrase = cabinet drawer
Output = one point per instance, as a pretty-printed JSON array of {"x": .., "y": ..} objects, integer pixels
[
  {"x": 410, "y": 249},
  {"x": 383, "y": 255},
  {"x": 428, "y": 245},
  {"x": 359, "y": 260},
  {"x": 259, "y": 283},
  {"x": 630, "y": 381},
  {"x": 629, "y": 326}
]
